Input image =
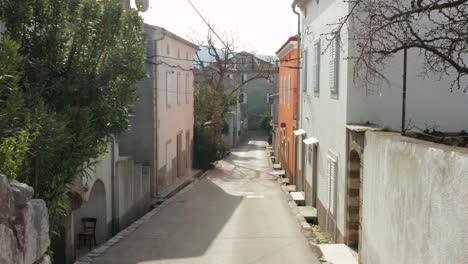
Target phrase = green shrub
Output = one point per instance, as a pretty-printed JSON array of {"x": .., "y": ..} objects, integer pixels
[{"x": 206, "y": 151}]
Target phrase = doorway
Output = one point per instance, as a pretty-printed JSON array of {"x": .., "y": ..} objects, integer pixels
[
  {"x": 354, "y": 198},
  {"x": 179, "y": 154},
  {"x": 314, "y": 153}
]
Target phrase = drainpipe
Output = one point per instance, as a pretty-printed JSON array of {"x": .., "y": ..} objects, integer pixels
[
  {"x": 114, "y": 222},
  {"x": 156, "y": 120},
  {"x": 299, "y": 51},
  {"x": 298, "y": 89}
]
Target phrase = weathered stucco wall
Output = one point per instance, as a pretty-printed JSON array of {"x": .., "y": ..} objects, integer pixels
[
  {"x": 415, "y": 206},
  {"x": 24, "y": 225}
]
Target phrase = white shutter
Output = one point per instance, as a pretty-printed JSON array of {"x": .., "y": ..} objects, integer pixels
[
  {"x": 333, "y": 74},
  {"x": 304, "y": 70},
  {"x": 316, "y": 66},
  {"x": 331, "y": 173}
]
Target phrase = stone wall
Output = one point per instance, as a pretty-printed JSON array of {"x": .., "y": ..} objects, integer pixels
[{"x": 24, "y": 225}]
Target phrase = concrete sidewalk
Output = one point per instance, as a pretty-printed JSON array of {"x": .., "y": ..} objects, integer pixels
[{"x": 237, "y": 213}]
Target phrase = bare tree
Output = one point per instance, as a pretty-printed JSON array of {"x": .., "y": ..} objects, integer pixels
[
  {"x": 218, "y": 74},
  {"x": 382, "y": 28}
]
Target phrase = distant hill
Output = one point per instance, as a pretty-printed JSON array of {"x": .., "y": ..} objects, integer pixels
[{"x": 206, "y": 57}]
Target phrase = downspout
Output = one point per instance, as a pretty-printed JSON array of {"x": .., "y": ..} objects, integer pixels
[
  {"x": 298, "y": 89},
  {"x": 114, "y": 223},
  {"x": 299, "y": 53},
  {"x": 156, "y": 120}
]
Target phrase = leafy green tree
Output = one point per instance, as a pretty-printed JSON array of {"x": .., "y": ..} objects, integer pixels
[
  {"x": 78, "y": 65},
  {"x": 265, "y": 122}
]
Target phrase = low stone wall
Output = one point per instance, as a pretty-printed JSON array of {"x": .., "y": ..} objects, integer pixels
[
  {"x": 415, "y": 206},
  {"x": 24, "y": 225}
]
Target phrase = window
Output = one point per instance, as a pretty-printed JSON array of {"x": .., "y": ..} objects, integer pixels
[
  {"x": 2, "y": 29},
  {"x": 285, "y": 90},
  {"x": 316, "y": 68},
  {"x": 334, "y": 57},
  {"x": 188, "y": 149},
  {"x": 331, "y": 183},
  {"x": 243, "y": 60},
  {"x": 168, "y": 50},
  {"x": 178, "y": 92},
  {"x": 168, "y": 156},
  {"x": 187, "y": 86},
  {"x": 243, "y": 98},
  {"x": 289, "y": 90},
  {"x": 186, "y": 55},
  {"x": 178, "y": 52},
  {"x": 304, "y": 69},
  {"x": 280, "y": 90},
  {"x": 244, "y": 77}
]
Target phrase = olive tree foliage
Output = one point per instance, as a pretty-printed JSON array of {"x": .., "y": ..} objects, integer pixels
[
  {"x": 76, "y": 64},
  {"x": 436, "y": 28}
]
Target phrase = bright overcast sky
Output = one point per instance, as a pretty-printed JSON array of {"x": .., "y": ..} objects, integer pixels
[{"x": 262, "y": 26}]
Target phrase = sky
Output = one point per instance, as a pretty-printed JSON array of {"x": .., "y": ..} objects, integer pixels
[{"x": 261, "y": 26}]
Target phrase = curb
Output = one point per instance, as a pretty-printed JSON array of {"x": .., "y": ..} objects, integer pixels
[
  {"x": 97, "y": 252},
  {"x": 306, "y": 229}
]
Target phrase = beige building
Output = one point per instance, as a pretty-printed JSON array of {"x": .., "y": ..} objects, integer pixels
[{"x": 161, "y": 133}]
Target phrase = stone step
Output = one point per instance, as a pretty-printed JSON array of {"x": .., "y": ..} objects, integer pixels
[
  {"x": 291, "y": 188},
  {"x": 298, "y": 197},
  {"x": 284, "y": 180},
  {"x": 308, "y": 212},
  {"x": 277, "y": 166},
  {"x": 337, "y": 254},
  {"x": 280, "y": 173}
]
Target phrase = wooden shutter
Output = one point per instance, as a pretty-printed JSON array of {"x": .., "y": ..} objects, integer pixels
[{"x": 289, "y": 91}]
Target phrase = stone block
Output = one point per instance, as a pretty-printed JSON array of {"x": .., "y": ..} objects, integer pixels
[
  {"x": 44, "y": 260},
  {"x": 9, "y": 252},
  {"x": 7, "y": 205},
  {"x": 36, "y": 239},
  {"x": 21, "y": 192},
  {"x": 354, "y": 183}
]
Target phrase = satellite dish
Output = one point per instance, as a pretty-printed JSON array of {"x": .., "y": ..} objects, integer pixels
[{"x": 142, "y": 5}]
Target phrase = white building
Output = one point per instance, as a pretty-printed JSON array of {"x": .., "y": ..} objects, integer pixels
[{"x": 333, "y": 107}]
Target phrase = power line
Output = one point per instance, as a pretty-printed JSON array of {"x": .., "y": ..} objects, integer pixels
[
  {"x": 237, "y": 63},
  {"x": 209, "y": 26}
]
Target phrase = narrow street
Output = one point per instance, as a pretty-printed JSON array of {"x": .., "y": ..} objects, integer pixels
[{"x": 237, "y": 213}]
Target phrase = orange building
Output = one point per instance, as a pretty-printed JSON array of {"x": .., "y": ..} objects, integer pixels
[{"x": 287, "y": 82}]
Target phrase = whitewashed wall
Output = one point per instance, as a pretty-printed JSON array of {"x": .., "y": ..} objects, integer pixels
[
  {"x": 323, "y": 116},
  {"x": 414, "y": 201}
]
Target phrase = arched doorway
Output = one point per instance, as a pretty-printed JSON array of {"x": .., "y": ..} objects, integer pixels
[
  {"x": 95, "y": 207},
  {"x": 354, "y": 199}
]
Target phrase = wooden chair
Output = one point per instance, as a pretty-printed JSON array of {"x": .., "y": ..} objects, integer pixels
[{"x": 88, "y": 233}]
